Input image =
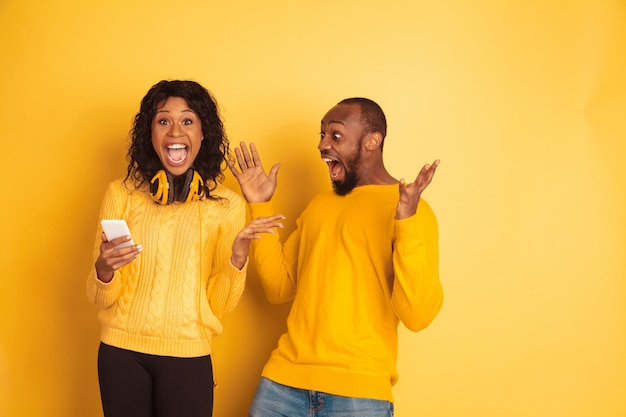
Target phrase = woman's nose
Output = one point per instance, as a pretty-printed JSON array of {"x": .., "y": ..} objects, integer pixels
[{"x": 175, "y": 130}]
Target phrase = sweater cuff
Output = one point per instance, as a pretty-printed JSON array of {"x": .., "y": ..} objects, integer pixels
[
  {"x": 263, "y": 209},
  {"x": 408, "y": 228},
  {"x": 103, "y": 294},
  {"x": 106, "y": 286}
]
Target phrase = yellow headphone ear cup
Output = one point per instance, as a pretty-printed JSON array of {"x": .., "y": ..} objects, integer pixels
[
  {"x": 160, "y": 187},
  {"x": 196, "y": 187}
]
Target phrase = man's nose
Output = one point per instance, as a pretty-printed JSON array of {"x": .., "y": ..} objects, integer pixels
[{"x": 324, "y": 144}]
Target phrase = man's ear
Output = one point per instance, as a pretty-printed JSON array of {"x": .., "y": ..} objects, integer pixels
[{"x": 373, "y": 141}]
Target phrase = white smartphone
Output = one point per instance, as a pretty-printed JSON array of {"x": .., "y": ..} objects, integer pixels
[{"x": 116, "y": 228}]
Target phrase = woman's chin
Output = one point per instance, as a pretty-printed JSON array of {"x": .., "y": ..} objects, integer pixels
[{"x": 176, "y": 169}]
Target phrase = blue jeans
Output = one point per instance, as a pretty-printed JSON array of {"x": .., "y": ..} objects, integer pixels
[{"x": 276, "y": 400}]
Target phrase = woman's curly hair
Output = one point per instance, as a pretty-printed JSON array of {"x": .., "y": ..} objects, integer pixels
[{"x": 143, "y": 161}]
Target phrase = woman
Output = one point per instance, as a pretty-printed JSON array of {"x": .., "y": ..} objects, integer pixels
[{"x": 162, "y": 298}]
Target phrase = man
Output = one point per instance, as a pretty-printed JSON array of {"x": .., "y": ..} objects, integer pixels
[{"x": 363, "y": 258}]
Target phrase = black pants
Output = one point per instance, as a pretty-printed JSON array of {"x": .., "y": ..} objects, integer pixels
[{"x": 134, "y": 384}]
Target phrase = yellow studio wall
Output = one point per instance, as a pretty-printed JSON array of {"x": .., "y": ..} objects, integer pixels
[{"x": 523, "y": 102}]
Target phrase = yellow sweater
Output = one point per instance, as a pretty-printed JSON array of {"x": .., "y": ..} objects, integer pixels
[
  {"x": 353, "y": 272},
  {"x": 170, "y": 299}
]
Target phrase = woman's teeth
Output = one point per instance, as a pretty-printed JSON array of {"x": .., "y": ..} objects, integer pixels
[{"x": 177, "y": 153}]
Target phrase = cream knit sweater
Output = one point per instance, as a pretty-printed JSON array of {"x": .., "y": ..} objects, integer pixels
[{"x": 170, "y": 299}]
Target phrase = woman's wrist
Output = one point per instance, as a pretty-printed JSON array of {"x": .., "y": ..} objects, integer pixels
[
  {"x": 238, "y": 261},
  {"x": 106, "y": 278}
]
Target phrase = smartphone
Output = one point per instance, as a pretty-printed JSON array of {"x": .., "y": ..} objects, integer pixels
[{"x": 116, "y": 228}]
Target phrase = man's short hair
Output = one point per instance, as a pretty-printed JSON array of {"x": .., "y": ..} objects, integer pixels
[{"x": 372, "y": 116}]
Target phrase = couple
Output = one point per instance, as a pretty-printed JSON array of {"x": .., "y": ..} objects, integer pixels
[{"x": 363, "y": 258}]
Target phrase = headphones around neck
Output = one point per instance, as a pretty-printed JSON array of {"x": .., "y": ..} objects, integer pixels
[{"x": 162, "y": 183}]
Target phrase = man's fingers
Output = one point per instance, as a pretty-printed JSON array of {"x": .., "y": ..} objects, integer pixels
[
  {"x": 431, "y": 171},
  {"x": 239, "y": 156},
  {"x": 274, "y": 171},
  {"x": 401, "y": 186},
  {"x": 433, "y": 167},
  {"x": 246, "y": 155},
  {"x": 255, "y": 156},
  {"x": 231, "y": 166},
  {"x": 426, "y": 173}
]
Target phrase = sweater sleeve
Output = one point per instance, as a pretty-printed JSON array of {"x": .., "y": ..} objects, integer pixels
[
  {"x": 417, "y": 292},
  {"x": 100, "y": 293},
  {"x": 276, "y": 263},
  {"x": 226, "y": 282}
]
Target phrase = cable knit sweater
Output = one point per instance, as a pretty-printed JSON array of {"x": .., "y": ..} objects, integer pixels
[{"x": 170, "y": 299}]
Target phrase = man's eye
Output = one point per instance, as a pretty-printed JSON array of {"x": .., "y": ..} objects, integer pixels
[
  {"x": 322, "y": 135},
  {"x": 336, "y": 136}
]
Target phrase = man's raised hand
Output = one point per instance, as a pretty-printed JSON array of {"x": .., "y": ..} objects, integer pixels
[
  {"x": 256, "y": 185},
  {"x": 410, "y": 194}
]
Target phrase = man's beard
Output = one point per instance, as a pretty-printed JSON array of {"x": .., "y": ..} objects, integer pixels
[{"x": 350, "y": 178}]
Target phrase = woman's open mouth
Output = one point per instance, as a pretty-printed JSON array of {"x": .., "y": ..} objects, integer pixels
[{"x": 177, "y": 153}]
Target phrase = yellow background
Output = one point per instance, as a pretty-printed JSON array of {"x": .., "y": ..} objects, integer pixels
[{"x": 523, "y": 101}]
